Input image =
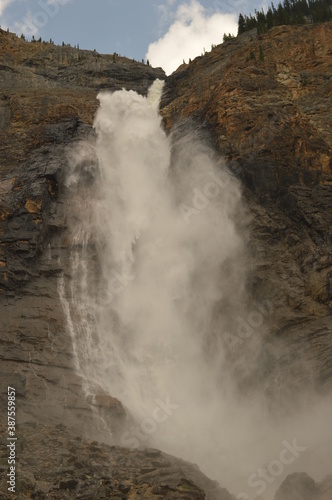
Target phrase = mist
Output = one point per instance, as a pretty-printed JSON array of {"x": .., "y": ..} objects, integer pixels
[{"x": 158, "y": 309}]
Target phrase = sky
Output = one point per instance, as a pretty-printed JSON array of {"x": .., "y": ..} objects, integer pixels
[{"x": 164, "y": 31}]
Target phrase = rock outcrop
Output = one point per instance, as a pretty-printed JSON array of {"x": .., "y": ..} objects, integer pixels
[
  {"x": 300, "y": 486},
  {"x": 85, "y": 469}
]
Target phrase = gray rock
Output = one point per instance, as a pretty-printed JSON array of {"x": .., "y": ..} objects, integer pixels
[
  {"x": 298, "y": 486},
  {"x": 118, "y": 475}
]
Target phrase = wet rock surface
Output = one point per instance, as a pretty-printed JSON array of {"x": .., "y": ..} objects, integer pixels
[{"x": 65, "y": 466}]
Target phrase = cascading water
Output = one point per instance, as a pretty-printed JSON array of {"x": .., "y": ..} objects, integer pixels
[{"x": 157, "y": 273}]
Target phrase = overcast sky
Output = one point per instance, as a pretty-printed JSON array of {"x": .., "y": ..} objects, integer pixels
[{"x": 165, "y": 31}]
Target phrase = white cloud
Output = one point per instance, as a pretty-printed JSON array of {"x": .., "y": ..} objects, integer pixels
[
  {"x": 4, "y": 4},
  {"x": 192, "y": 30}
]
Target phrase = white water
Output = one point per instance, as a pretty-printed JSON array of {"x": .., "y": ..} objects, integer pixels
[{"x": 158, "y": 272}]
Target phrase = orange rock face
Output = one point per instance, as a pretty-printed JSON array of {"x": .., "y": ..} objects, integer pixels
[{"x": 266, "y": 97}]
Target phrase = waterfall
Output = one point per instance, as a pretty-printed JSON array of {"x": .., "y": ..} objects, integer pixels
[
  {"x": 157, "y": 284},
  {"x": 161, "y": 216}
]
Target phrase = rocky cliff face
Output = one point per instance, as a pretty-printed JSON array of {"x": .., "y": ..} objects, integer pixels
[
  {"x": 46, "y": 87},
  {"x": 47, "y": 100},
  {"x": 75, "y": 467},
  {"x": 265, "y": 102}
]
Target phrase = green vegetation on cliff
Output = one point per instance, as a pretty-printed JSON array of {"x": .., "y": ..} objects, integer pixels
[{"x": 288, "y": 12}]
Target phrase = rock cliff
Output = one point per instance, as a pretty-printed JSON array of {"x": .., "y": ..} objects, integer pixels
[
  {"x": 47, "y": 100},
  {"x": 265, "y": 101}
]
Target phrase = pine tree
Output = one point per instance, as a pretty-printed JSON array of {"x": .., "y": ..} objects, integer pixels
[
  {"x": 287, "y": 12},
  {"x": 241, "y": 25},
  {"x": 269, "y": 18},
  {"x": 261, "y": 22}
]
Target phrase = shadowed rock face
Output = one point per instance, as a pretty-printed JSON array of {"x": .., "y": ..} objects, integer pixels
[{"x": 270, "y": 117}]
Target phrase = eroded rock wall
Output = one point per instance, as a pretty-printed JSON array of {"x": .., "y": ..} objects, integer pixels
[{"x": 265, "y": 101}]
